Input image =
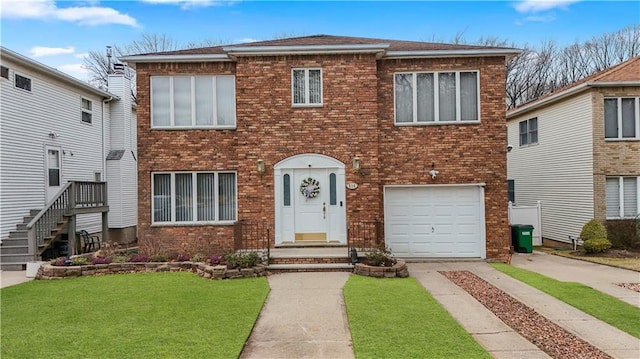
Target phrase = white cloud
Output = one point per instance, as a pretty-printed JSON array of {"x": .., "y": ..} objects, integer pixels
[
  {"x": 537, "y": 18},
  {"x": 81, "y": 55},
  {"x": 189, "y": 4},
  {"x": 533, "y": 6},
  {"x": 76, "y": 70},
  {"x": 47, "y": 9},
  {"x": 245, "y": 40},
  {"x": 40, "y": 51}
]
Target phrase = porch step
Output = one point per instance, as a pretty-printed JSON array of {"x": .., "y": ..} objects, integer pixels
[
  {"x": 311, "y": 244},
  {"x": 15, "y": 259},
  {"x": 13, "y": 266},
  {"x": 14, "y": 249},
  {"x": 311, "y": 267}
]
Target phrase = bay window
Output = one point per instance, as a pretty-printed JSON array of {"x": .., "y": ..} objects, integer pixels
[
  {"x": 184, "y": 197},
  {"x": 193, "y": 101},
  {"x": 436, "y": 97}
]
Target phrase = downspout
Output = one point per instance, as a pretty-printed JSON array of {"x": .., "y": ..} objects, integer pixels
[{"x": 104, "y": 158}]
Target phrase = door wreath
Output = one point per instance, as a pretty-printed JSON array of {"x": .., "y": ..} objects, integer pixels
[{"x": 310, "y": 187}]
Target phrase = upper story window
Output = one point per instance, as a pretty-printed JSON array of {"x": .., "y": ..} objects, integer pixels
[
  {"x": 87, "y": 112},
  {"x": 621, "y": 118},
  {"x": 23, "y": 82},
  {"x": 306, "y": 87},
  {"x": 622, "y": 197},
  {"x": 529, "y": 132},
  {"x": 436, "y": 97},
  {"x": 193, "y": 101},
  {"x": 4, "y": 72}
]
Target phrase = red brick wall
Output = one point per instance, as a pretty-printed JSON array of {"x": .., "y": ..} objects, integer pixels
[
  {"x": 472, "y": 153},
  {"x": 356, "y": 119}
]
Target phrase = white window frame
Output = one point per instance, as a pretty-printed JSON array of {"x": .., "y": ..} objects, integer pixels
[
  {"x": 436, "y": 99},
  {"x": 621, "y": 196},
  {"x": 84, "y": 110},
  {"x": 172, "y": 124},
  {"x": 619, "y": 119},
  {"x": 15, "y": 84},
  {"x": 307, "y": 88},
  {"x": 529, "y": 141},
  {"x": 194, "y": 201}
]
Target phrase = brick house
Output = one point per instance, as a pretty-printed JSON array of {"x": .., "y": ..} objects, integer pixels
[
  {"x": 315, "y": 136},
  {"x": 577, "y": 151}
]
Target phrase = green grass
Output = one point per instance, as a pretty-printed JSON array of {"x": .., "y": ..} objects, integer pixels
[
  {"x": 146, "y": 315},
  {"x": 604, "y": 307},
  {"x": 398, "y": 318}
]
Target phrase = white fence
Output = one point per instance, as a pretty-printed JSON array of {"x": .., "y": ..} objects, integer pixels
[{"x": 528, "y": 215}]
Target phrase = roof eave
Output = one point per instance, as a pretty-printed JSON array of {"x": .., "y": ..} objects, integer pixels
[
  {"x": 133, "y": 59},
  {"x": 451, "y": 53},
  {"x": 6, "y": 53},
  {"x": 569, "y": 92},
  {"x": 235, "y": 51}
]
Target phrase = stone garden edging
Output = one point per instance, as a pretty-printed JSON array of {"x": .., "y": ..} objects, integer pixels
[
  {"x": 398, "y": 270},
  {"x": 48, "y": 271}
]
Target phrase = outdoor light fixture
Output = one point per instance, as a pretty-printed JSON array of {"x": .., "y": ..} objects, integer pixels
[
  {"x": 433, "y": 173},
  {"x": 260, "y": 166},
  {"x": 355, "y": 163}
]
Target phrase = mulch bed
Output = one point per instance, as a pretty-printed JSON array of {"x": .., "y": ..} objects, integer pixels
[{"x": 543, "y": 333}]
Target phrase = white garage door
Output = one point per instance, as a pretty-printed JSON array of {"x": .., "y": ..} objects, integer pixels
[{"x": 436, "y": 221}]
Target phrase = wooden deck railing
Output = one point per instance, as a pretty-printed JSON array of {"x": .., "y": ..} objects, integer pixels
[{"x": 74, "y": 198}]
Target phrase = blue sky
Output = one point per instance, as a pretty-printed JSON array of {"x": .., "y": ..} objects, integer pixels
[{"x": 60, "y": 33}]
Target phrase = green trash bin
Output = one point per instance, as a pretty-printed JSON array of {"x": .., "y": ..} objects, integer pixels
[{"x": 522, "y": 238}]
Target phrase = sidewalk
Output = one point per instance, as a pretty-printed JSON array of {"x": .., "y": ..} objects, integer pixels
[
  {"x": 497, "y": 338},
  {"x": 597, "y": 276},
  {"x": 8, "y": 278}
]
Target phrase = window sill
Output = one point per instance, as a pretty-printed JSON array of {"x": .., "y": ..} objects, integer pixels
[
  {"x": 528, "y": 145},
  {"x": 186, "y": 128},
  {"x": 192, "y": 224},
  {"x": 436, "y": 123},
  {"x": 311, "y": 105},
  {"x": 622, "y": 139}
]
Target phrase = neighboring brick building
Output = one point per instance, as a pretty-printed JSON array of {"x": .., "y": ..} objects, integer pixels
[
  {"x": 311, "y": 136},
  {"x": 583, "y": 160}
]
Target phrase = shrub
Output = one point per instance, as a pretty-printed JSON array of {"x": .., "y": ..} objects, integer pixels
[
  {"x": 242, "y": 260},
  {"x": 100, "y": 260},
  {"x": 198, "y": 258},
  {"x": 79, "y": 261},
  {"x": 158, "y": 258},
  {"x": 624, "y": 233},
  {"x": 183, "y": 257},
  {"x": 593, "y": 229},
  {"x": 381, "y": 257},
  {"x": 60, "y": 261},
  {"x": 596, "y": 245},
  {"x": 139, "y": 258},
  {"x": 215, "y": 259},
  {"x": 121, "y": 259}
]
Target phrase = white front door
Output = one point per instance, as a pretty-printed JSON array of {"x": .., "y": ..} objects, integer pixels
[
  {"x": 310, "y": 200},
  {"x": 52, "y": 172}
]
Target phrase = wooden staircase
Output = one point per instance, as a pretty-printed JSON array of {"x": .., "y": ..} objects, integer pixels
[{"x": 14, "y": 250}]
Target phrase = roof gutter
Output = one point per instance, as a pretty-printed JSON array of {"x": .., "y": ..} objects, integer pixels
[
  {"x": 569, "y": 92},
  {"x": 175, "y": 58},
  {"x": 451, "y": 53},
  {"x": 6, "y": 53},
  {"x": 235, "y": 51}
]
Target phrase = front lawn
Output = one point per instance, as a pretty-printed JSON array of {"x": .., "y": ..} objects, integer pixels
[
  {"x": 398, "y": 318},
  {"x": 611, "y": 310},
  {"x": 144, "y": 315}
]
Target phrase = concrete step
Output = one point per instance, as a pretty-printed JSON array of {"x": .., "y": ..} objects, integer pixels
[
  {"x": 13, "y": 266},
  {"x": 6, "y": 249},
  {"x": 311, "y": 267}
]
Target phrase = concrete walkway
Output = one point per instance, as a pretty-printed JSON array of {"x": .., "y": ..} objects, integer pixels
[
  {"x": 597, "y": 276},
  {"x": 304, "y": 317},
  {"x": 8, "y": 278},
  {"x": 499, "y": 339}
]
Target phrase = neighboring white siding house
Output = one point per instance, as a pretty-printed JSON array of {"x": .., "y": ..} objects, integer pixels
[
  {"x": 55, "y": 129},
  {"x": 558, "y": 169}
]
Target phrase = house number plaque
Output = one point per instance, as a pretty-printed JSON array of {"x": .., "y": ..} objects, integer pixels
[{"x": 352, "y": 185}]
